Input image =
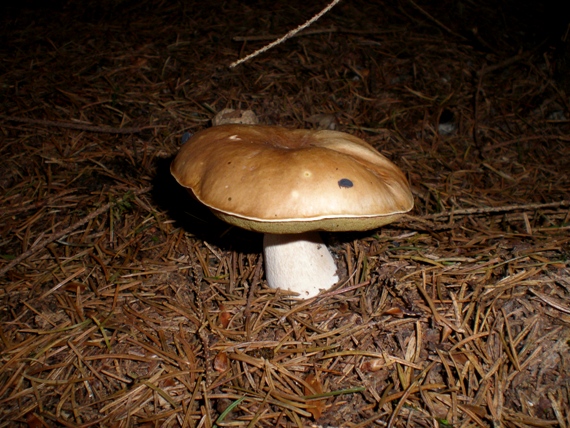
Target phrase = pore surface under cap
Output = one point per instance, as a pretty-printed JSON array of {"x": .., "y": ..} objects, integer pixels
[{"x": 275, "y": 180}]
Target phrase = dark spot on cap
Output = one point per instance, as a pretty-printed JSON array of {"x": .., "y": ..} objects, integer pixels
[
  {"x": 345, "y": 182},
  {"x": 185, "y": 137}
]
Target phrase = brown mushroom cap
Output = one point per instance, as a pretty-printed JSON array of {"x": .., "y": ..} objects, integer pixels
[{"x": 276, "y": 180}]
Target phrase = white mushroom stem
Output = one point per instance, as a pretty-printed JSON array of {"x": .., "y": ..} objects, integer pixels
[{"x": 299, "y": 262}]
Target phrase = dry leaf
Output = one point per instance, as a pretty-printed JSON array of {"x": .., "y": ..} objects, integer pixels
[
  {"x": 221, "y": 362},
  {"x": 34, "y": 421},
  {"x": 168, "y": 382},
  {"x": 74, "y": 286},
  {"x": 373, "y": 365},
  {"x": 316, "y": 407},
  {"x": 225, "y": 316},
  {"x": 459, "y": 358},
  {"x": 395, "y": 311}
]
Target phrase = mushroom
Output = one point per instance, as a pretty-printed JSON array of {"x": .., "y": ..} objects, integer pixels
[{"x": 289, "y": 184}]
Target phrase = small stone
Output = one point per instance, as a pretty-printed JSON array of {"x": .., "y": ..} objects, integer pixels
[{"x": 231, "y": 116}]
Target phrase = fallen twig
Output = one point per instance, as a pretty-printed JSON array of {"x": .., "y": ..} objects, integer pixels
[
  {"x": 311, "y": 32},
  {"x": 286, "y": 36},
  {"x": 78, "y": 126},
  {"x": 439, "y": 23},
  {"x": 39, "y": 204},
  {"x": 486, "y": 210}
]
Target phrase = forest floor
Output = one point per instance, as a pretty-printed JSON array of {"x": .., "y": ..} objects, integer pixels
[{"x": 124, "y": 303}]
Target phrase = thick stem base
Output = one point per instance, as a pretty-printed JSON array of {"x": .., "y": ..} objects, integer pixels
[{"x": 299, "y": 262}]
